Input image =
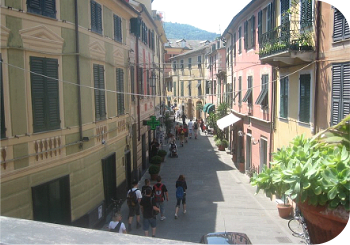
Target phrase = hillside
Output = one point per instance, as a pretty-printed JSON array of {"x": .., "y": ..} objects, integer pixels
[{"x": 179, "y": 31}]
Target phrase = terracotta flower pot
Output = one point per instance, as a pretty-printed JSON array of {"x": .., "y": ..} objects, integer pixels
[
  {"x": 284, "y": 211},
  {"x": 221, "y": 148},
  {"x": 241, "y": 167},
  {"x": 323, "y": 224}
]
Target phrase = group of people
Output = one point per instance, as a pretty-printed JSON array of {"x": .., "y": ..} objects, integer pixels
[
  {"x": 185, "y": 131},
  {"x": 149, "y": 201}
]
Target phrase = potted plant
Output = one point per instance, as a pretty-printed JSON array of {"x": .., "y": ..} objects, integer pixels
[
  {"x": 153, "y": 170},
  {"x": 315, "y": 173},
  {"x": 157, "y": 160},
  {"x": 162, "y": 154},
  {"x": 221, "y": 144},
  {"x": 305, "y": 41}
]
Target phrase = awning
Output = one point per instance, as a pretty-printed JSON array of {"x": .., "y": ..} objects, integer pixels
[
  {"x": 207, "y": 107},
  {"x": 227, "y": 121}
]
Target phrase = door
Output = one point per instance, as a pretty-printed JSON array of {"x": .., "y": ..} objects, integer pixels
[
  {"x": 263, "y": 153},
  {"x": 109, "y": 180},
  {"x": 144, "y": 157},
  {"x": 128, "y": 174},
  {"x": 51, "y": 201},
  {"x": 248, "y": 152}
]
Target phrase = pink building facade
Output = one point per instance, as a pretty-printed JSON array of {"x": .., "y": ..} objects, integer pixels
[{"x": 253, "y": 87}]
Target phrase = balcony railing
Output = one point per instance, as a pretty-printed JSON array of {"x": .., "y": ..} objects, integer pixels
[{"x": 283, "y": 38}]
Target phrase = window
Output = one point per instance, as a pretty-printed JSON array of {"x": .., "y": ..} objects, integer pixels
[
  {"x": 340, "y": 92},
  {"x": 45, "y": 94},
  {"x": 182, "y": 88},
  {"x": 100, "y": 109},
  {"x": 304, "y": 102},
  {"x": 199, "y": 87},
  {"x": 96, "y": 17},
  {"x": 252, "y": 31},
  {"x": 117, "y": 28},
  {"x": 306, "y": 13},
  {"x": 182, "y": 65},
  {"x": 234, "y": 90},
  {"x": 199, "y": 59},
  {"x": 240, "y": 40},
  {"x": 234, "y": 44},
  {"x": 246, "y": 35},
  {"x": 3, "y": 128},
  {"x": 259, "y": 26},
  {"x": 239, "y": 90},
  {"x": 263, "y": 98},
  {"x": 42, "y": 7},
  {"x": 147, "y": 82},
  {"x": 207, "y": 87},
  {"x": 284, "y": 97},
  {"x": 189, "y": 63},
  {"x": 340, "y": 27},
  {"x": 214, "y": 88},
  {"x": 120, "y": 90},
  {"x": 174, "y": 88},
  {"x": 174, "y": 66},
  {"x": 144, "y": 32},
  {"x": 189, "y": 89},
  {"x": 248, "y": 97}
]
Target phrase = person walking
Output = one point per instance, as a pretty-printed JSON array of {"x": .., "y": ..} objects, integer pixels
[
  {"x": 183, "y": 118},
  {"x": 154, "y": 148},
  {"x": 133, "y": 200},
  {"x": 160, "y": 193},
  {"x": 148, "y": 206},
  {"x": 146, "y": 186},
  {"x": 181, "y": 187},
  {"x": 190, "y": 128},
  {"x": 116, "y": 225},
  {"x": 181, "y": 134},
  {"x": 176, "y": 131},
  {"x": 185, "y": 127},
  {"x": 195, "y": 129}
]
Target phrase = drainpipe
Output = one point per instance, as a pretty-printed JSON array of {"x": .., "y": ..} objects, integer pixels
[
  {"x": 273, "y": 111},
  {"x": 231, "y": 34},
  {"x": 318, "y": 37},
  {"x": 78, "y": 73}
]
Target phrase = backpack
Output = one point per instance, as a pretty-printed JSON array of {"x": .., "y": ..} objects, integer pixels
[
  {"x": 117, "y": 227},
  {"x": 179, "y": 192},
  {"x": 132, "y": 198},
  {"x": 144, "y": 188},
  {"x": 195, "y": 125},
  {"x": 158, "y": 193}
]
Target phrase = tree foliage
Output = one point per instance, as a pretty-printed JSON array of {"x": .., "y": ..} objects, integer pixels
[{"x": 179, "y": 31}]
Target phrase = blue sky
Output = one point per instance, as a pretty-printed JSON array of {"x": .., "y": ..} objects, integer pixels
[{"x": 212, "y": 16}]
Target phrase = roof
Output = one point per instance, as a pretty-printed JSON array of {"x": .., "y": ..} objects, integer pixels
[{"x": 189, "y": 44}]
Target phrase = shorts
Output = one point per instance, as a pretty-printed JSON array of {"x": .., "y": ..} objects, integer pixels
[
  {"x": 178, "y": 201},
  {"x": 134, "y": 210},
  {"x": 148, "y": 222}
]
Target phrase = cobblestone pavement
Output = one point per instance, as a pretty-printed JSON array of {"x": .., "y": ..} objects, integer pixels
[{"x": 219, "y": 198}]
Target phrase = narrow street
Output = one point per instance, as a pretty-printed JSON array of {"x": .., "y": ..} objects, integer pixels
[{"x": 219, "y": 198}]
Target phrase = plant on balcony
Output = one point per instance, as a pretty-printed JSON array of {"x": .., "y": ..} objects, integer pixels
[
  {"x": 316, "y": 172},
  {"x": 306, "y": 41}
]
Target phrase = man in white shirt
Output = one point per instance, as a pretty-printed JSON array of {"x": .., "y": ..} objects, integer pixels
[
  {"x": 117, "y": 218},
  {"x": 190, "y": 128},
  {"x": 135, "y": 209}
]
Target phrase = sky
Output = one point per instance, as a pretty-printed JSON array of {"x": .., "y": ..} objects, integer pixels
[{"x": 214, "y": 15}]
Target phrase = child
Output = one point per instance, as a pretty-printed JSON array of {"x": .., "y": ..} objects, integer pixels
[{"x": 116, "y": 225}]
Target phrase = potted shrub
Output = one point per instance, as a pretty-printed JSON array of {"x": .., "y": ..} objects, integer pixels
[
  {"x": 221, "y": 144},
  {"x": 153, "y": 170},
  {"x": 315, "y": 173},
  {"x": 162, "y": 154},
  {"x": 157, "y": 160}
]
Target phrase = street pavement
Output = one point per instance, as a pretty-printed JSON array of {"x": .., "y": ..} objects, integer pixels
[{"x": 219, "y": 198}]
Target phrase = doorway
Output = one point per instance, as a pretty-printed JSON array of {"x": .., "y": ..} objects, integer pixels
[
  {"x": 248, "y": 152},
  {"x": 263, "y": 153},
  {"x": 109, "y": 180},
  {"x": 51, "y": 201},
  {"x": 128, "y": 174}
]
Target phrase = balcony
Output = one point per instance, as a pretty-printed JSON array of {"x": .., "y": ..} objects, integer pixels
[{"x": 287, "y": 45}]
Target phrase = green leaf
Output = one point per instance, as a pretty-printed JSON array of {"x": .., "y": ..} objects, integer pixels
[
  {"x": 318, "y": 190},
  {"x": 344, "y": 154},
  {"x": 333, "y": 193}
]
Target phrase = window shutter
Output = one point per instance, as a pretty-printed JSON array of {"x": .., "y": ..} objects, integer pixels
[
  {"x": 259, "y": 26},
  {"x": 102, "y": 92},
  {"x": 284, "y": 13},
  {"x": 49, "y": 8},
  {"x": 346, "y": 90},
  {"x": 174, "y": 86},
  {"x": 268, "y": 17},
  {"x": 132, "y": 80},
  {"x": 284, "y": 97},
  {"x": 97, "y": 92},
  {"x": 53, "y": 112},
  {"x": 306, "y": 13},
  {"x": 338, "y": 25},
  {"x": 240, "y": 40},
  {"x": 182, "y": 88},
  {"x": 93, "y": 16},
  {"x": 34, "y": 6},
  {"x": 38, "y": 93},
  {"x": 304, "y": 106},
  {"x": 117, "y": 28},
  {"x": 240, "y": 90},
  {"x": 99, "y": 18},
  {"x": 120, "y": 88},
  {"x": 336, "y": 94},
  {"x": 253, "y": 31},
  {"x": 246, "y": 35}
]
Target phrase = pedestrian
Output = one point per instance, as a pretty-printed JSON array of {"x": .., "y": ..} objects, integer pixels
[
  {"x": 185, "y": 127},
  {"x": 181, "y": 134},
  {"x": 133, "y": 200},
  {"x": 154, "y": 148},
  {"x": 181, "y": 188},
  {"x": 183, "y": 118},
  {"x": 202, "y": 124},
  {"x": 116, "y": 225},
  {"x": 190, "y": 128},
  {"x": 176, "y": 131},
  {"x": 148, "y": 206},
  {"x": 160, "y": 193},
  {"x": 146, "y": 186},
  {"x": 195, "y": 129}
]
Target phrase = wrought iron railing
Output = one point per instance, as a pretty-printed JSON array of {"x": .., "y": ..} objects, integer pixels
[{"x": 287, "y": 36}]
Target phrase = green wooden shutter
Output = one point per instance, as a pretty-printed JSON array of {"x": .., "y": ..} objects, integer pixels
[
  {"x": 240, "y": 90},
  {"x": 132, "y": 80},
  {"x": 3, "y": 128},
  {"x": 98, "y": 18},
  {"x": 259, "y": 26},
  {"x": 340, "y": 92},
  {"x": 117, "y": 28},
  {"x": 100, "y": 101},
  {"x": 306, "y": 13},
  {"x": 346, "y": 90},
  {"x": 304, "y": 103},
  {"x": 93, "y": 15},
  {"x": 240, "y": 40},
  {"x": 246, "y": 35},
  {"x": 252, "y": 31},
  {"x": 45, "y": 97},
  {"x": 284, "y": 97},
  {"x": 52, "y": 101},
  {"x": 268, "y": 18},
  {"x": 120, "y": 88},
  {"x": 49, "y": 8},
  {"x": 338, "y": 25},
  {"x": 34, "y": 6}
]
